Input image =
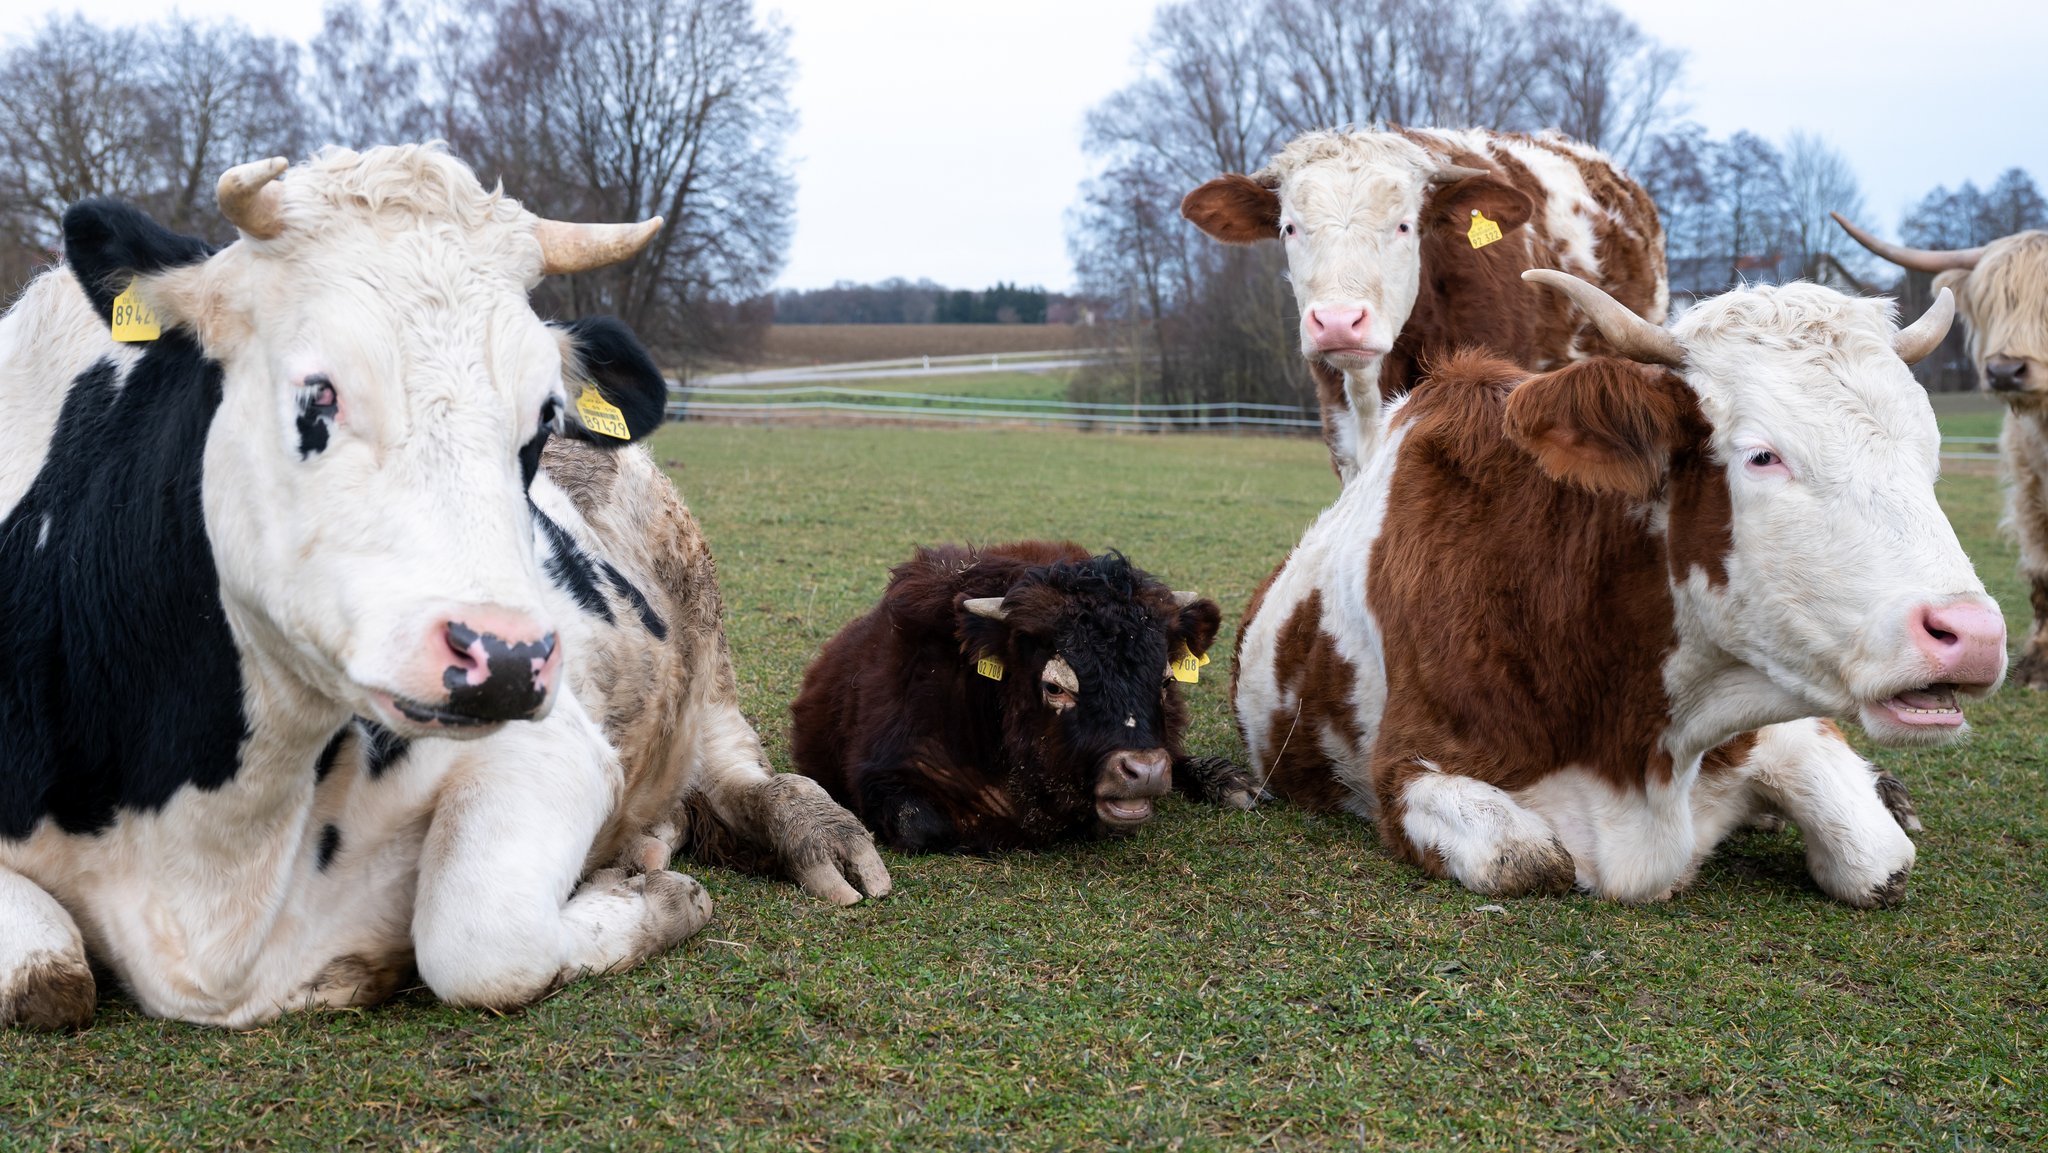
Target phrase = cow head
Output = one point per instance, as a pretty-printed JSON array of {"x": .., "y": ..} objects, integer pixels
[
  {"x": 385, "y": 390},
  {"x": 1088, "y": 699},
  {"x": 1777, "y": 437},
  {"x": 1356, "y": 211},
  {"x": 2002, "y": 295}
]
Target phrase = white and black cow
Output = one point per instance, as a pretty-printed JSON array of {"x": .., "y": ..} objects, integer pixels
[
  {"x": 1559, "y": 628},
  {"x": 319, "y": 659}
]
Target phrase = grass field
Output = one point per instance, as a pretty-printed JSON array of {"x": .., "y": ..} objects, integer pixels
[
  {"x": 791, "y": 344},
  {"x": 1216, "y": 981}
]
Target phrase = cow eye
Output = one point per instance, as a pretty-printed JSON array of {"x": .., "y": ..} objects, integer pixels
[
  {"x": 1051, "y": 689},
  {"x": 1764, "y": 458},
  {"x": 1287, "y": 229},
  {"x": 318, "y": 407},
  {"x": 1403, "y": 227}
]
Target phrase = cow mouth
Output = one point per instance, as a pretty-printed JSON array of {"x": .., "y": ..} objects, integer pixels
[
  {"x": 1359, "y": 357},
  {"x": 433, "y": 716},
  {"x": 1124, "y": 811},
  {"x": 1931, "y": 706}
]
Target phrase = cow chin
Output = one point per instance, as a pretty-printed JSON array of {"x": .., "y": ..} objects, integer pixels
[
  {"x": 1925, "y": 718},
  {"x": 416, "y": 719}
]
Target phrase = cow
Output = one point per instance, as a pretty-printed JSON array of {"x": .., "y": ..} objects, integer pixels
[
  {"x": 344, "y": 633},
  {"x": 1404, "y": 245},
  {"x": 1010, "y": 696},
  {"x": 2002, "y": 296},
  {"x": 1569, "y": 629}
]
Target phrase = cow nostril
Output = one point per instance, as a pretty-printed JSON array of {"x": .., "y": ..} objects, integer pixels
[{"x": 460, "y": 638}]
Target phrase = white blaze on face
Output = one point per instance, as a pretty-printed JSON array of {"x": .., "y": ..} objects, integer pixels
[
  {"x": 1350, "y": 217},
  {"x": 382, "y": 371},
  {"x": 1846, "y": 584}
]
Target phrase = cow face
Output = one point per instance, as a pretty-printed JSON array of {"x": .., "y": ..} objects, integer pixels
[
  {"x": 1358, "y": 213},
  {"x": 1791, "y": 458},
  {"x": 2000, "y": 288},
  {"x": 1088, "y": 697},
  {"x": 386, "y": 389}
]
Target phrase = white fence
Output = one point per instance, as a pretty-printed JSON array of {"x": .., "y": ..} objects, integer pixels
[{"x": 816, "y": 402}]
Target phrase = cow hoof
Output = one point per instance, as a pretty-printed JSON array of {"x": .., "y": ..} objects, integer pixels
[
  {"x": 824, "y": 848},
  {"x": 1218, "y": 781},
  {"x": 1532, "y": 869},
  {"x": 1887, "y": 895},
  {"x": 1892, "y": 791},
  {"x": 50, "y": 993},
  {"x": 677, "y": 906}
]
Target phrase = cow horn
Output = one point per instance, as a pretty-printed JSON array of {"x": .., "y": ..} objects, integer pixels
[
  {"x": 990, "y": 607},
  {"x": 1924, "y": 335},
  {"x": 1183, "y": 599},
  {"x": 251, "y": 200},
  {"x": 1917, "y": 259},
  {"x": 566, "y": 248},
  {"x": 1631, "y": 335},
  {"x": 1452, "y": 173}
]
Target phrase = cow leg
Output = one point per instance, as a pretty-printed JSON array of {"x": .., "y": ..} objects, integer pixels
[
  {"x": 816, "y": 842},
  {"x": 1477, "y": 834},
  {"x": 500, "y": 920},
  {"x": 1216, "y": 781},
  {"x": 1856, "y": 848},
  {"x": 2023, "y": 442},
  {"x": 2030, "y": 668},
  {"x": 900, "y": 805},
  {"x": 45, "y": 982}
]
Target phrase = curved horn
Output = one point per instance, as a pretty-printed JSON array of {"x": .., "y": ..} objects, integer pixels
[
  {"x": 566, "y": 248},
  {"x": 1631, "y": 335},
  {"x": 250, "y": 199},
  {"x": 1184, "y": 599},
  {"x": 1917, "y": 259},
  {"x": 1924, "y": 335},
  {"x": 990, "y": 607},
  {"x": 1452, "y": 173}
]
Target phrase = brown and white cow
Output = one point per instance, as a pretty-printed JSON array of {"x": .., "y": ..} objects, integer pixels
[
  {"x": 1404, "y": 246},
  {"x": 1533, "y": 638},
  {"x": 2002, "y": 295}
]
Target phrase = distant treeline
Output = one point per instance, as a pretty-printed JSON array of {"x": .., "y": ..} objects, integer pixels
[{"x": 898, "y": 301}]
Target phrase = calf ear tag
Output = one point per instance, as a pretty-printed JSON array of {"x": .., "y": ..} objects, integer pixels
[
  {"x": 1483, "y": 231},
  {"x": 602, "y": 416},
  {"x": 134, "y": 321},
  {"x": 990, "y": 667},
  {"x": 1186, "y": 667}
]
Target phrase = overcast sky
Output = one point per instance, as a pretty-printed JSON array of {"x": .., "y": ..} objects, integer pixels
[{"x": 943, "y": 138}]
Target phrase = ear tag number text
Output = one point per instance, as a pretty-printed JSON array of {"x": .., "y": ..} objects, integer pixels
[
  {"x": 602, "y": 416},
  {"x": 134, "y": 321},
  {"x": 1483, "y": 231},
  {"x": 1186, "y": 667},
  {"x": 990, "y": 667}
]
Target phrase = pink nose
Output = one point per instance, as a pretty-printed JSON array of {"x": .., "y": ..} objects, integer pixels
[
  {"x": 1964, "y": 642},
  {"x": 1337, "y": 329},
  {"x": 495, "y": 665}
]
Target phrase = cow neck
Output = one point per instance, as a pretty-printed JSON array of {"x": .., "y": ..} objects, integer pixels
[{"x": 1353, "y": 431}]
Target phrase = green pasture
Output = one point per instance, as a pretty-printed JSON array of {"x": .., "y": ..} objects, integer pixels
[{"x": 1223, "y": 981}]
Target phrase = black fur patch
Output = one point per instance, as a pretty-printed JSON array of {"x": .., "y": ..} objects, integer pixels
[
  {"x": 649, "y": 619},
  {"x": 107, "y": 242},
  {"x": 317, "y": 406},
  {"x": 570, "y": 569},
  {"x": 382, "y": 748},
  {"x": 325, "y": 764},
  {"x": 330, "y": 844},
  {"x": 119, "y": 680},
  {"x": 616, "y": 362}
]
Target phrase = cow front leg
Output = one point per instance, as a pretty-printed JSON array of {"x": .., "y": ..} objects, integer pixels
[
  {"x": 45, "y": 981},
  {"x": 1474, "y": 833},
  {"x": 1857, "y": 849},
  {"x": 790, "y": 818},
  {"x": 2030, "y": 668},
  {"x": 1217, "y": 781},
  {"x": 501, "y": 919}
]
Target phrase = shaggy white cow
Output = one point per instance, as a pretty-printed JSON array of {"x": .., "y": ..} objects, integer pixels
[{"x": 263, "y": 566}]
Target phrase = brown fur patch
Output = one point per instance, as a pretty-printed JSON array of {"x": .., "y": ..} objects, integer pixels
[
  {"x": 55, "y": 995},
  {"x": 1307, "y": 665}
]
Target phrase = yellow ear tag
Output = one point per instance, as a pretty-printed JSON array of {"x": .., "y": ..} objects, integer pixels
[
  {"x": 134, "y": 321},
  {"x": 602, "y": 416},
  {"x": 1186, "y": 667},
  {"x": 990, "y": 667},
  {"x": 1483, "y": 231}
]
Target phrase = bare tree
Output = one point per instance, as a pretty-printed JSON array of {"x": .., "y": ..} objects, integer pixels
[
  {"x": 218, "y": 96},
  {"x": 368, "y": 80},
  {"x": 74, "y": 122},
  {"x": 1599, "y": 77},
  {"x": 1818, "y": 180}
]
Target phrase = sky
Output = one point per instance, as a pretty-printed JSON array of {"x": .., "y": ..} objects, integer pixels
[{"x": 943, "y": 139}]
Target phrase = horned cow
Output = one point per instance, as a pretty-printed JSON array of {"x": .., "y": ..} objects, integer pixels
[
  {"x": 1404, "y": 246},
  {"x": 1010, "y": 696},
  {"x": 344, "y": 631},
  {"x": 2002, "y": 295},
  {"x": 1561, "y": 629}
]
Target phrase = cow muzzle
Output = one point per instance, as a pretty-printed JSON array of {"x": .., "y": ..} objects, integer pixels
[
  {"x": 1342, "y": 335},
  {"x": 490, "y": 666},
  {"x": 1961, "y": 646},
  {"x": 1131, "y": 779},
  {"x": 2007, "y": 374}
]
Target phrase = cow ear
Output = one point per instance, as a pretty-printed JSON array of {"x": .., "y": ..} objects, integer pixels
[
  {"x": 1607, "y": 425},
  {"x": 600, "y": 352},
  {"x": 1195, "y": 625},
  {"x": 1234, "y": 209},
  {"x": 108, "y": 243},
  {"x": 1451, "y": 209}
]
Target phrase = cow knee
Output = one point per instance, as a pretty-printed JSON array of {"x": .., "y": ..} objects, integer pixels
[
  {"x": 45, "y": 981},
  {"x": 1478, "y": 835}
]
